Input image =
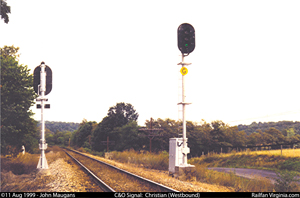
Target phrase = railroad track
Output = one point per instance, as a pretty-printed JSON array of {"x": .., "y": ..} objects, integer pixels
[{"x": 114, "y": 179}]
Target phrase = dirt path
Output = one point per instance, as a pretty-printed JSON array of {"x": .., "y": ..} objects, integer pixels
[{"x": 249, "y": 173}]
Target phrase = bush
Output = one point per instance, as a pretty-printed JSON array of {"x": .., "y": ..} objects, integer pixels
[
  {"x": 285, "y": 182},
  {"x": 87, "y": 150},
  {"x": 22, "y": 164},
  {"x": 160, "y": 161},
  {"x": 81, "y": 150},
  {"x": 290, "y": 164},
  {"x": 101, "y": 154}
]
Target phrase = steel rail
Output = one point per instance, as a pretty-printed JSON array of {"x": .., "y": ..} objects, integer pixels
[
  {"x": 102, "y": 184},
  {"x": 162, "y": 187}
]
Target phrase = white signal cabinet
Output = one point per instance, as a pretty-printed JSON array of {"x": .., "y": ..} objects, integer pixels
[{"x": 175, "y": 153}]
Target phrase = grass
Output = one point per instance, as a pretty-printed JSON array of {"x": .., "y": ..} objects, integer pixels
[
  {"x": 22, "y": 164},
  {"x": 230, "y": 180},
  {"x": 87, "y": 150},
  {"x": 269, "y": 160},
  {"x": 287, "y": 182},
  {"x": 145, "y": 159},
  {"x": 20, "y": 174},
  {"x": 286, "y": 165},
  {"x": 285, "y": 152},
  {"x": 19, "y": 170},
  {"x": 272, "y": 160}
]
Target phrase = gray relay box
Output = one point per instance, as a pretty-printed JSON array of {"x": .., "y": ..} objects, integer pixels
[{"x": 175, "y": 153}]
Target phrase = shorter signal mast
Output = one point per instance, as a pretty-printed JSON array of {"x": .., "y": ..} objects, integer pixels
[{"x": 42, "y": 86}]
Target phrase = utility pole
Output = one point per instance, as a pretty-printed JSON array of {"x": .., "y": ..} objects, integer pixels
[
  {"x": 151, "y": 132},
  {"x": 107, "y": 142}
]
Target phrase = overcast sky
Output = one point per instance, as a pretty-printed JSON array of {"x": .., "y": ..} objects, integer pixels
[{"x": 245, "y": 66}]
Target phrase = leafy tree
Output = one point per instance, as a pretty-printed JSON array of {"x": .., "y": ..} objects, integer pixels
[
  {"x": 73, "y": 138},
  {"x": 121, "y": 114},
  {"x": 277, "y": 136},
  {"x": 239, "y": 138},
  {"x": 4, "y": 10},
  {"x": 201, "y": 140},
  {"x": 50, "y": 139},
  {"x": 294, "y": 139},
  {"x": 67, "y": 136},
  {"x": 84, "y": 132},
  {"x": 254, "y": 139},
  {"x": 170, "y": 130},
  {"x": 291, "y": 136},
  {"x": 57, "y": 137},
  {"x": 60, "y": 140},
  {"x": 117, "y": 116},
  {"x": 234, "y": 137},
  {"x": 17, "y": 95},
  {"x": 126, "y": 137},
  {"x": 100, "y": 134},
  {"x": 218, "y": 134},
  {"x": 268, "y": 138},
  {"x": 290, "y": 132}
]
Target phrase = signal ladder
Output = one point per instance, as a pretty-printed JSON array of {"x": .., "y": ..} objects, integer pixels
[{"x": 180, "y": 124}]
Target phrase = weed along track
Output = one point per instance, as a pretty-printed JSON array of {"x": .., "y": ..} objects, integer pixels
[{"x": 117, "y": 179}]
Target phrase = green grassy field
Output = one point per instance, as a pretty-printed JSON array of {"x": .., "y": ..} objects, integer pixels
[
  {"x": 286, "y": 165},
  {"x": 268, "y": 160}
]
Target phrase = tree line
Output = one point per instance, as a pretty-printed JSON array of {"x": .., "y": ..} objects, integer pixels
[
  {"x": 281, "y": 126},
  {"x": 54, "y": 126},
  {"x": 120, "y": 125}
]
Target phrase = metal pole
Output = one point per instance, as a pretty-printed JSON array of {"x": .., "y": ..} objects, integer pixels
[
  {"x": 151, "y": 133},
  {"x": 43, "y": 146},
  {"x": 185, "y": 150},
  {"x": 184, "y": 159},
  {"x": 107, "y": 140}
]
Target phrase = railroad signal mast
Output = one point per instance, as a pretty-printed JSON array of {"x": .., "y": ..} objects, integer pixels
[
  {"x": 42, "y": 86},
  {"x": 186, "y": 45}
]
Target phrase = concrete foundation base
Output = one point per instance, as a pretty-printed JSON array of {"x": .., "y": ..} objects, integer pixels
[
  {"x": 42, "y": 163},
  {"x": 43, "y": 172},
  {"x": 180, "y": 171}
]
